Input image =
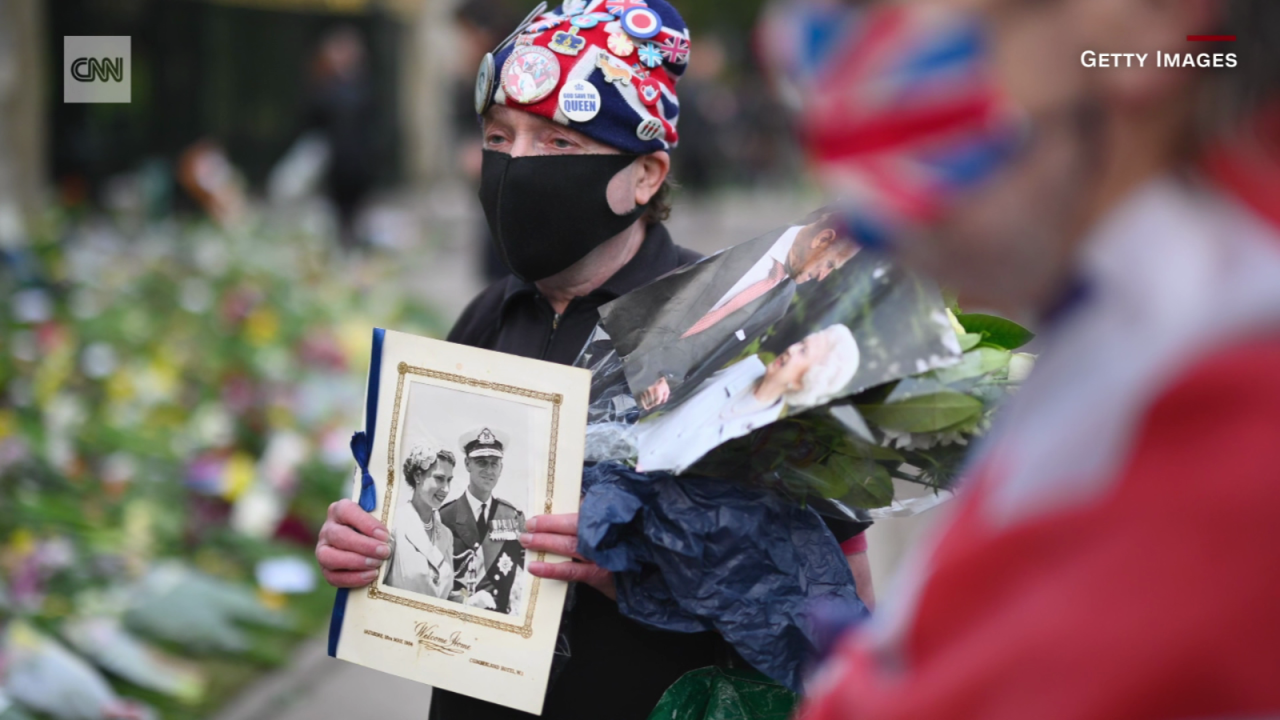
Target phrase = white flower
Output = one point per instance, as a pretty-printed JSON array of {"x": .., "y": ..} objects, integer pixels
[{"x": 1020, "y": 366}]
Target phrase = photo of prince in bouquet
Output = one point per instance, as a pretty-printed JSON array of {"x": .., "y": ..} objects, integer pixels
[{"x": 466, "y": 550}]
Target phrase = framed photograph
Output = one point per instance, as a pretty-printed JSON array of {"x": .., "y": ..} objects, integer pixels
[{"x": 467, "y": 443}]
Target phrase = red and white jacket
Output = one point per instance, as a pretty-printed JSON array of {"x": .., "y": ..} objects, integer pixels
[{"x": 1116, "y": 553}]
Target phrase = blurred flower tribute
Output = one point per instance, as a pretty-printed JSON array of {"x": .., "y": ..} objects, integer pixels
[{"x": 176, "y": 418}]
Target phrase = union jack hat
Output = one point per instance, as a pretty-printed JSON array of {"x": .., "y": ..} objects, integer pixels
[
  {"x": 606, "y": 68},
  {"x": 897, "y": 107}
]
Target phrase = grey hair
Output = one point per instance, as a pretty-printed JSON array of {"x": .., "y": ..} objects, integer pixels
[
  {"x": 824, "y": 380},
  {"x": 420, "y": 460}
]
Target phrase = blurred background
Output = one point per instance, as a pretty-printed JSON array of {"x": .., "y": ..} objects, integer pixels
[{"x": 189, "y": 283}]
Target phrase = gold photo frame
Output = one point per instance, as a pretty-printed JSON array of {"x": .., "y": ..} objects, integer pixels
[{"x": 555, "y": 400}]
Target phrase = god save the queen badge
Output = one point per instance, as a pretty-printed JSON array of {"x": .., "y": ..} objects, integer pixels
[
  {"x": 579, "y": 100},
  {"x": 530, "y": 74}
]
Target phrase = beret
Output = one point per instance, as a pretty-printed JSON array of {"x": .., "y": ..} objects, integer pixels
[{"x": 606, "y": 68}]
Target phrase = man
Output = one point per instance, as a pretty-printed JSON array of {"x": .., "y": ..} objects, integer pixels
[
  {"x": 575, "y": 207},
  {"x": 486, "y": 528},
  {"x": 1115, "y": 553},
  {"x": 716, "y": 308},
  {"x": 748, "y": 395},
  {"x": 802, "y": 253}
]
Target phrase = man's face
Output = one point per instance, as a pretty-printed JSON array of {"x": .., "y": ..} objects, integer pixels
[
  {"x": 521, "y": 134},
  {"x": 1012, "y": 244},
  {"x": 820, "y": 254},
  {"x": 789, "y": 368},
  {"x": 1009, "y": 243},
  {"x": 484, "y": 472}
]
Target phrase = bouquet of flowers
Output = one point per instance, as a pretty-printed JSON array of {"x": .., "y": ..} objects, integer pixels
[
  {"x": 797, "y": 372},
  {"x": 834, "y": 388}
]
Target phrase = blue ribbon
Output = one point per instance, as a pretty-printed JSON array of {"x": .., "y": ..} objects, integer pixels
[{"x": 362, "y": 450}]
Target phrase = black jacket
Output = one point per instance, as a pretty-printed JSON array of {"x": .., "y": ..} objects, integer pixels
[{"x": 618, "y": 668}]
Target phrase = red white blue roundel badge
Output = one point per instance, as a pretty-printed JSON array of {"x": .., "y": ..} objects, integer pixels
[{"x": 641, "y": 22}]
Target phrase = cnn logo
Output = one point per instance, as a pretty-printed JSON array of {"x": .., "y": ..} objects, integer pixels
[
  {"x": 90, "y": 69},
  {"x": 96, "y": 69}
]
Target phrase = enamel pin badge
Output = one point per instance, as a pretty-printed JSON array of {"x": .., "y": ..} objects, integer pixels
[
  {"x": 484, "y": 84},
  {"x": 567, "y": 42},
  {"x": 579, "y": 101},
  {"x": 530, "y": 74}
]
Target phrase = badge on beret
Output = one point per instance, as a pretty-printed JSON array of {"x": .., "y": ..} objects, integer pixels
[
  {"x": 650, "y": 55},
  {"x": 579, "y": 101},
  {"x": 543, "y": 25},
  {"x": 618, "y": 8},
  {"x": 530, "y": 74},
  {"x": 649, "y": 91},
  {"x": 484, "y": 84},
  {"x": 621, "y": 45},
  {"x": 573, "y": 7},
  {"x": 641, "y": 22},
  {"x": 676, "y": 49},
  {"x": 650, "y": 129},
  {"x": 587, "y": 21},
  {"x": 567, "y": 42},
  {"x": 613, "y": 70}
]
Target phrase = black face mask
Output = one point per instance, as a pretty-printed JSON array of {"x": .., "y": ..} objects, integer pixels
[{"x": 546, "y": 212}]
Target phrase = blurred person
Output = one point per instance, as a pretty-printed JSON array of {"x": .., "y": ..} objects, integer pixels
[
  {"x": 482, "y": 24},
  {"x": 748, "y": 395},
  {"x": 481, "y": 523},
  {"x": 213, "y": 182},
  {"x": 576, "y": 210},
  {"x": 1115, "y": 551},
  {"x": 341, "y": 109},
  {"x": 710, "y": 109}
]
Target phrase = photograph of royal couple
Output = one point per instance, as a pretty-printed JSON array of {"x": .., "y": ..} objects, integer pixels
[
  {"x": 467, "y": 549},
  {"x": 768, "y": 328}
]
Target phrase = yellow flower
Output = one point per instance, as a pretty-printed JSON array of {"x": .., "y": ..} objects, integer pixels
[
  {"x": 237, "y": 476},
  {"x": 262, "y": 326}
]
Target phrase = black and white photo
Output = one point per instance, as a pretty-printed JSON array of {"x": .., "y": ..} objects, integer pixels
[{"x": 461, "y": 504}]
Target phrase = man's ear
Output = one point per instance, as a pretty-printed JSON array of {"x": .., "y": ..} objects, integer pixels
[
  {"x": 823, "y": 239},
  {"x": 651, "y": 171}
]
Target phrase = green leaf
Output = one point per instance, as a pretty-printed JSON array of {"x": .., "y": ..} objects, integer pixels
[
  {"x": 926, "y": 413},
  {"x": 857, "y": 449},
  {"x": 911, "y": 387},
  {"x": 999, "y": 332},
  {"x": 976, "y": 362},
  {"x": 969, "y": 341},
  {"x": 867, "y": 484}
]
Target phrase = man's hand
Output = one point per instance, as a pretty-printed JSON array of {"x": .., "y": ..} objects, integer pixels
[
  {"x": 655, "y": 395},
  {"x": 559, "y": 534},
  {"x": 352, "y": 546}
]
